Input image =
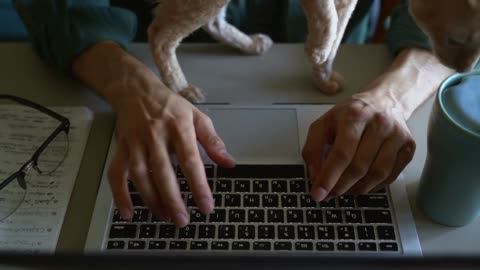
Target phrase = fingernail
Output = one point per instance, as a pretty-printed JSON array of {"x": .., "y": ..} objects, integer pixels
[
  {"x": 181, "y": 219},
  {"x": 318, "y": 194},
  {"x": 206, "y": 205},
  {"x": 328, "y": 198}
]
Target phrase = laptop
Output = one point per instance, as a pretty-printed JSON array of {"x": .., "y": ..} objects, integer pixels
[{"x": 262, "y": 206}]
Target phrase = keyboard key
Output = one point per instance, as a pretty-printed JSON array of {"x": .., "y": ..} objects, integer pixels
[
  {"x": 197, "y": 216},
  {"x": 372, "y": 201},
  {"x": 388, "y": 247},
  {"x": 218, "y": 215},
  {"x": 223, "y": 186},
  {"x": 251, "y": 200},
  {"x": 307, "y": 201},
  {"x": 266, "y": 232},
  {"x": 386, "y": 233},
  {"x": 270, "y": 200},
  {"x": 367, "y": 246},
  {"x": 167, "y": 231},
  {"x": 190, "y": 200},
  {"x": 325, "y": 246},
  {"x": 232, "y": 200},
  {"x": 346, "y": 246},
  {"x": 157, "y": 245},
  {"x": 123, "y": 231},
  {"x": 314, "y": 216},
  {"x": 140, "y": 215},
  {"x": 183, "y": 185},
  {"x": 116, "y": 245},
  {"x": 346, "y": 201},
  {"x": 260, "y": 186},
  {"x": 236, "y": 216},
  {"x": 345, "y": 232},
  {"x": 198, "y": 245},
  {"x": 303, "y": 246},
  {"x": 240, "y": 245},
  {"x": 377, "y": 216},
  {"x": 148, "y": 231},
  {"x": 279, "y": 186},
  {"x": 333, "y": 216},
  {"x": 136, "y": 200},
  {"x": 325, "y": 232},
  {"x": 218, "y": 199},
  {"x": 178, "y": 245},
  {"x": 294, "y": 216},
  {"x": 282, "y": 246},
  {"x": 242, "y": 186},
  {"x": 226, "y": 231},
  {"x": 131, "y": 187},
  {"x": 306, "y": 232},
  {"x": 136, "y": 245},
  {"x": 187, "y": 232},
  {"x": 275, "y": 216},
  {"x": 328, "y": 204},
  {"x": 365, "y": 233},
  {"x": 262, "y": 246},
  {"x": 220, "y": 245},
  {"x": 246, "y": 232},
  {"x": 206, "y": 231},
  {"x": 353, "y": 216},
  {"x": 289, "y": 200},
  {"x": 117, "y": 217},
  {"x": 209, "y": 171},
  {"x": 297, "y": 186},
  {"x": 286, "y": 232},
  {"x": 256, "y": 216}
]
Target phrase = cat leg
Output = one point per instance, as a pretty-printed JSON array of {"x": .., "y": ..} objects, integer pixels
[
  {"x": 174, "y": 20},
  {"x": 228, "y": 34}
]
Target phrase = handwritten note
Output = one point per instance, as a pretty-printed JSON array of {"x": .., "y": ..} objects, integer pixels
[{"x": 35, "y": 226}]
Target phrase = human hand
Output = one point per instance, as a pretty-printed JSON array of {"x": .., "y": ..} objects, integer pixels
[
  {"x": 370, "y": 146},
  {"x": 153, "y": 122}
]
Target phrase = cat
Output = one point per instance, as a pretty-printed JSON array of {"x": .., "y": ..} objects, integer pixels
[
  {"x": 176, "y": 19},
  {"x": 453, "y": 28}
]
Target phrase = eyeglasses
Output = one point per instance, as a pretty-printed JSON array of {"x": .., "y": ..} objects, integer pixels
[{"x": 45, "y": 160}]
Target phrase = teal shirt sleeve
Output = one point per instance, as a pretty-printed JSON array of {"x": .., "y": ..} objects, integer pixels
[
  {"x": 61, "y": 29},
  {"x": 404, "y": 32}
]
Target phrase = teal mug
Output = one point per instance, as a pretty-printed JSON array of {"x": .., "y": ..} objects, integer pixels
[{"x": 449, "y": 189}]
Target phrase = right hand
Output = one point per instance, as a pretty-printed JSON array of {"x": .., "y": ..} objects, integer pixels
[{"x": 152, "y": 123}]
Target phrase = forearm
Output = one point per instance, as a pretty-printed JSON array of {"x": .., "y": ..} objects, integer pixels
[
  {"x": 413, "y": 77},
  {"x": 114, "y": 73}
]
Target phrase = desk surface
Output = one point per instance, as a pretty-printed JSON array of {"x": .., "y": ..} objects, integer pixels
[{"x": 229, "y": 78}]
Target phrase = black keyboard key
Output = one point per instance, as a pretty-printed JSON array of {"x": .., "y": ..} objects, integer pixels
[
  {"x": 240, "y": 245},
  {"x": 303, "y": 246},
  {"x": 242, "y": 186},
  {"x": 262, "y": 171},
  {"x": 136, "y": 245},
  {"x": 386, "y": 232},
  {"x": 117, "y": 217},
  {"x": 167, "y": 231},
  {"x": 232, "y": 200},
  {"x": 367, "y": 246},
  {"x": 346, "y": 246},
  {"x": 187, "y": 232},
  {"x": 275, "y": 216},
  {"x": 345, "y": 232},
  {"x": 365, "y": 233},
  {"x": 256, "y": 216},
  {"x": 157, "y": 245},
  {"x": 131, "y": 187},
  {"x": 206, "y": 231},
  {"x": 226, "y": 231},
  {"x": 123, "y": 231},
  {"x": 306, "y": 232},
  {"x": 388, "y": 247},
  {"x": 325, "y": 246},
  {"x": 289, "y": 200},
  {"x": 333, "y": 216},
  {"x": 353, "y": 216},
  {"x": 246, "y": 232},
  {"x": 136, "y": 200},
  {"x": 294, "y": 216},
  {"x": 223, "y": 186},
  {"x": 378, "y": 216},
  {"x": 218, "y": 200},
  {"x": 372, "y": 201},
  {"x": 314, "y": 216},
  {"x": 183, "y": 185},
  {"x": 198, "y": 245},
  {"x": 270, "y": 200},
  {"x": 148, "y": 231},
  {"x": 116, "y": 245},
  {"x": 262, "y": 246},
  {"x": 251, "y": 200},
  {"x": 282, "y": 246},
  {"x": 218, "y": 215},
  {"x": 307, "y": 201},
  {"x": 236, "y": 215},
  {"x": 209, "y": 171},
  {"x": 286, "y": 232},
  {"x": 328, "y": 204},
  {"x": 266, "y": 232},
  {"x": 346, "y": 201},
  {"x": 220, "y": 245},
  {"x": 297, "y": 186},
  {"x": 190, "y": 200},
  {"x": 326, "y": 232},
  {"x": 260, "y": 186},
  {"x": 140, "y": 215},
  {"x": 182, "y": 245},
  {"x": 279, "y": 186},
  {"x": 197, "y": 216}
]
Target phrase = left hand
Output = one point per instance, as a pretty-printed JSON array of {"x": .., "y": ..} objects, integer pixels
[{"x": 370, "y": 146}]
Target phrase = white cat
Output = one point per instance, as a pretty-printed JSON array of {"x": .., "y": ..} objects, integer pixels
[{"x": 176, "y": 19}]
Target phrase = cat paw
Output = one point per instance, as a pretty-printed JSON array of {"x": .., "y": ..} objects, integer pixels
[
  {"x": 193, "y": 94},
  {"x": 331, "y": 85},
  {"x": 260, "y": 44},
  {"x": 316, "y": 54}
]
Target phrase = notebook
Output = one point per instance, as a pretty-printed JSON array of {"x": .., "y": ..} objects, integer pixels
[{"x": 262, "y": 206}]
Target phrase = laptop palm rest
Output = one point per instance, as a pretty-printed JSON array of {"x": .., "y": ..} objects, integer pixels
[{"x": 259, "y": 135}]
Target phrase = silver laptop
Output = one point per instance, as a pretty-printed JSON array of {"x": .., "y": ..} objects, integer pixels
[{"x": 263, "y": 205}]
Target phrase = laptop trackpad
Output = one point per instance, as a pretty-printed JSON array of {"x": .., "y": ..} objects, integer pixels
[{"x": 258, "y": 134}]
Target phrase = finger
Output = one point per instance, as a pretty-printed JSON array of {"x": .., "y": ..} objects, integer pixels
[
  {"x": 211, "y": 142},
  {"x": 141, "y": 178},
  {"x": 165, "y": 182},
  {"x": 345, "y": 146},
  {"x": 185, "y": 143},
  {"x": 314, "y": 148},
  {"x": 117, "y": 177},
  {"x": 376, "y": 132}
]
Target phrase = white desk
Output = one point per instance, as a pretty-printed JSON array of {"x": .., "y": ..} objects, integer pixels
[{"x": 229, "y": 78}]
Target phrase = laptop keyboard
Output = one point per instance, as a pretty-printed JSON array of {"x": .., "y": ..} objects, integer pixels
[{"x": 263, "y": 208}]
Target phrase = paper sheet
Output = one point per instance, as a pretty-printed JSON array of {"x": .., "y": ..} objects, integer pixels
[{"x": 35, "y": 226}]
